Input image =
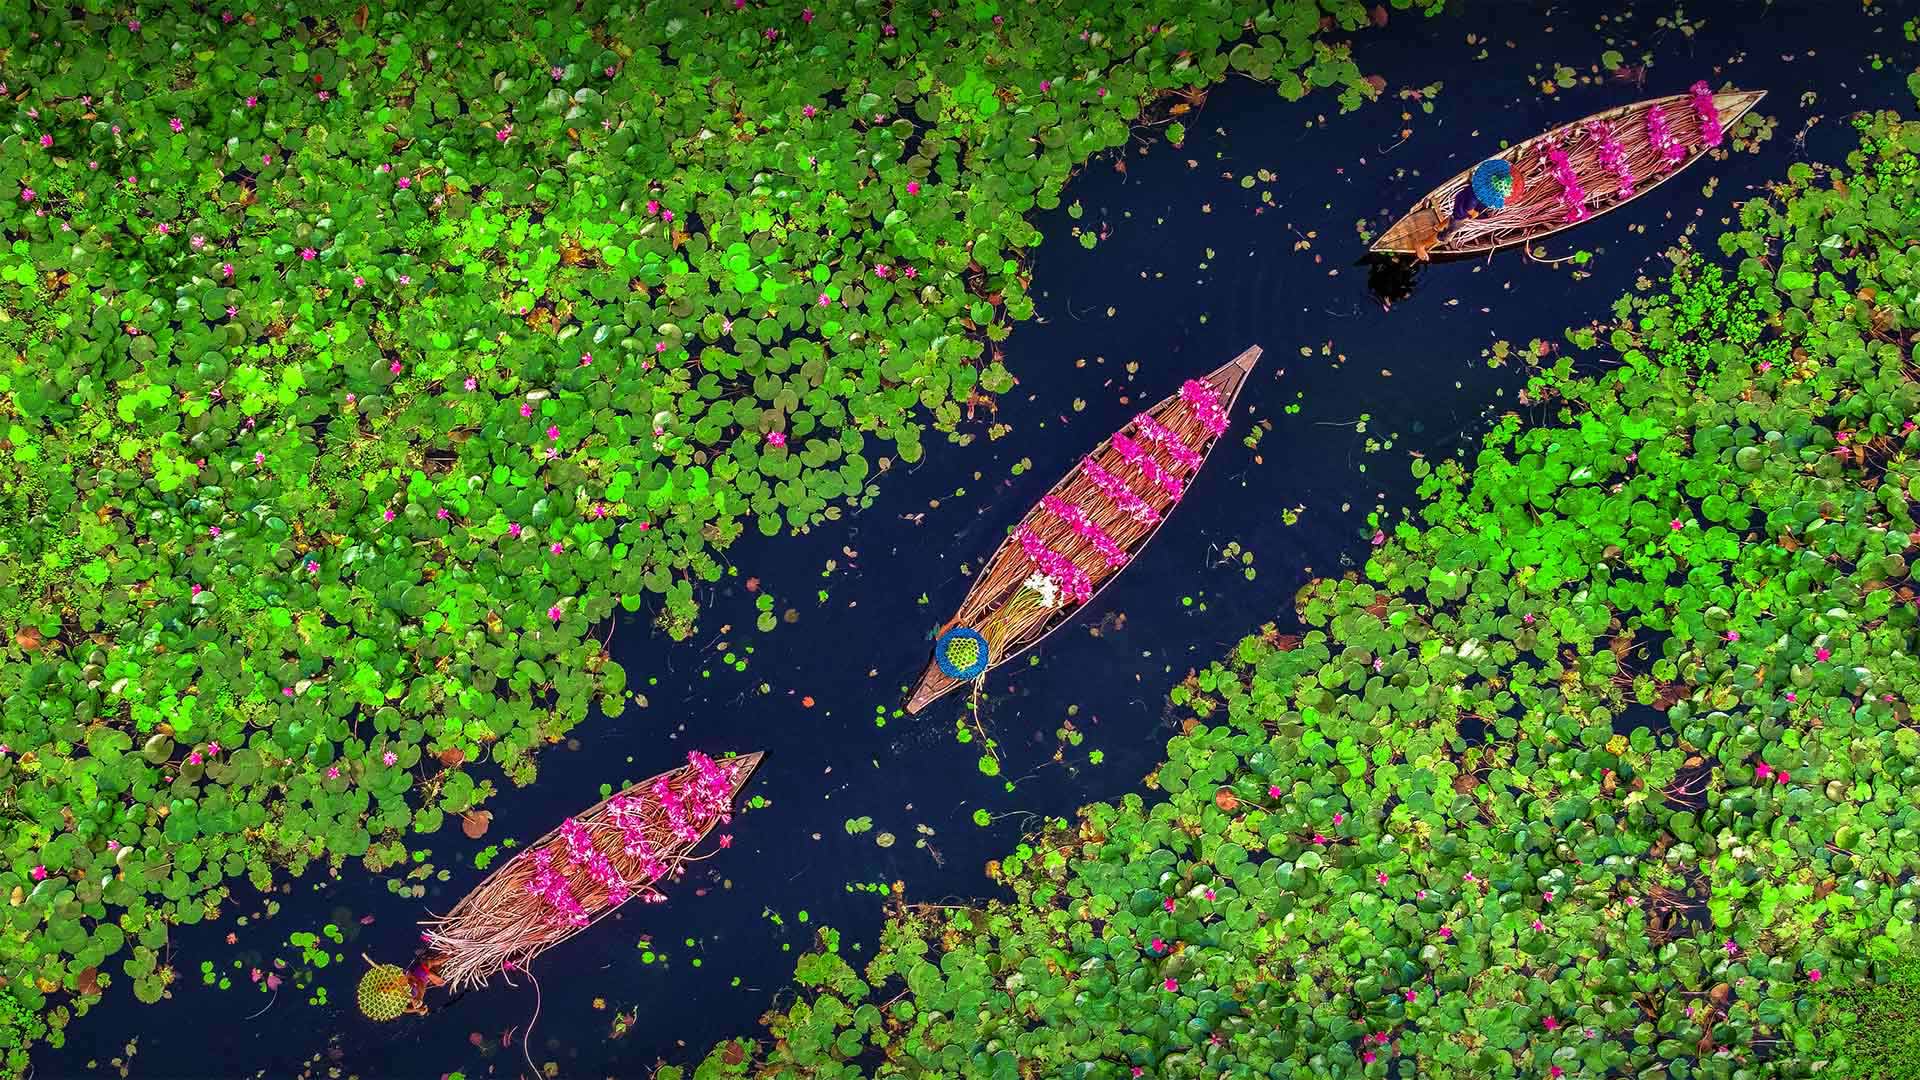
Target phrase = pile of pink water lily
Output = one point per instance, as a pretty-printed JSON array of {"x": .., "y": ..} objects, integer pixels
[
  {"x": 1077, "y": 519},
  {"x": 1612, "y": 157},
  {"x": 1710, "y": 132},
  {"x": 1573, "y": 197},
  {"x": 1660, "y": 135},
  {"x": 621, "y": 849},
  {"x": 1204, "y": 400},
  {"x": 1123, "y": 499},
  {"x": 1072, "y": 581}
]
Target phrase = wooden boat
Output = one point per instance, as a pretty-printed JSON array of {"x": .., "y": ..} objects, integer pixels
[
  {"x": 642, "y": 836},
  {"x": 1085, "y": 530},
  {"x": 1541, "y": 210}
]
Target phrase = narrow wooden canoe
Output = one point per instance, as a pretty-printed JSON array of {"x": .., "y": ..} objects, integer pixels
[
  {"x": 502, "y": 925},
  {"x": 1085, "y": 530},
  {"x": 1540, "y": 210}
]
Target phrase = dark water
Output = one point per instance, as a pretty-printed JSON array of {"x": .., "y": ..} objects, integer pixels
[{"x": 1194, "y": 267}]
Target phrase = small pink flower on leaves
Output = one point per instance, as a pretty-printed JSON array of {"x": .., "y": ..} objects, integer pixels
[
  {"x": 1446, "y": 932},
  {"x": 504, "y": 132},
  {"x": 1339, "y": 818},
  {"x": 1381, "y": 877},
  {"x": 913, "y": 187},
  {"x": 1547, "y": 896},
  {"x": 514, "y": 529},
  {"x": 46, "y": 140},
  {"x": 1730, "y": 947},
  {"x": 40, "y": 873},
  {"x": 1273, "y": 791},
  {"x": 554, "y": 613},
  {"x": 1550, "y": 1024},
  {"x": 333, "y": 772},
  {"x": 1762, "y": 771},
  {"x": 1733, "y": 635},
  {"x": 1367, "y": 1056},
  {"x": 1318, "y": 839},
  {"x": 557, "y": 72},
  {"x": 1791, "y": 697},
  {"x": 213, "y": 531},
  {"x": 389, "y": 758},
  {"x": 1138, "y": 1071},
  {"x": 389, "y": 515},
  {"x": 776, "y": 438},
  {"x": 1785, "y": 776},
  {"x": 1556, "y": 1072},
  {"x": 26, "y": 195},
  {"x": 1676, "y": 524},
  {"x": 1168, "y": 903},
  {"x": 1822, "y": 653},
  {"x": 176, "y": 125},
  {"x": 441, "y": 513},
  {"x": 553, "y": 432},
  {"x": 807, "y": 111},
  {"x": 472, "y": 382},
  {"x": 394, "y": 367},
  {"x": 309, "y": 254},
  {"x": 806, "y": 16},
  {"x": 312, "y": 567},
  {"x": 823, "y": 296},
  {"x": 213, "y": 749},
  {"x": 1046, "y": 85},
  {"x": 666, "y": 215},
  {"x": 1813, "y": 975},
  {"x": 1171, "y": 984},
  {"x": 1158, "y": 945},
  {"x": 193, "y": 758},
  {"x": 286, "y": 691},
  {"x": 526, "y": 409},
  {"x": 326, "y": 95},
  {"x": 406, "y": 182},
  {"x": 195, "y": 590},
  {"x": 1413, "y": 996},
  {"x": 557, "y": 547},
  {"x": 1538, "y": 925},
  {"x": 1208, "y": 894},
  {"x": 659, "y": 346}
]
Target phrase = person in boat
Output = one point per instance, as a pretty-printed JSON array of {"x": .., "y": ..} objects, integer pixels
[
  {"x": 421, "y": 977},
  {"x": 1494, "y": 184}
]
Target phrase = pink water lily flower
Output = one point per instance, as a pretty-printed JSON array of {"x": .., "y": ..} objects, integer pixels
[
  {"x": 514, "y": 529},
  {"x": 1550, "y": 1024},
  {"x": 333, "y": 772},
  {"x": 1813, "y": 975},
  {"x": 1168, "y": 903},
  {"x": 776, "y": 438},
  {"x": 1171, "y": 984},
  {"x": 1822, "y": 653},
  {"x": 554, "y": 613},
  {"x": 176, "y": 125},
  {"x": 40, "y": 873}
]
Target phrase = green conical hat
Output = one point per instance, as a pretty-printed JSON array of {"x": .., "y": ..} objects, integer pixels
[{"x": 384, "y": 992}]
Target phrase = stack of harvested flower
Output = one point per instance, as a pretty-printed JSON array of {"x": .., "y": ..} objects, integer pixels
[{"x": 623, "y": 848}]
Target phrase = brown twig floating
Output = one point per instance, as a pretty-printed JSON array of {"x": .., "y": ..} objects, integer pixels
[{"x": 623, "y": 847}]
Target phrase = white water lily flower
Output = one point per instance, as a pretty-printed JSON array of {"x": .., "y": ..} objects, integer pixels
[{"x": 1048, "y": 589}]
